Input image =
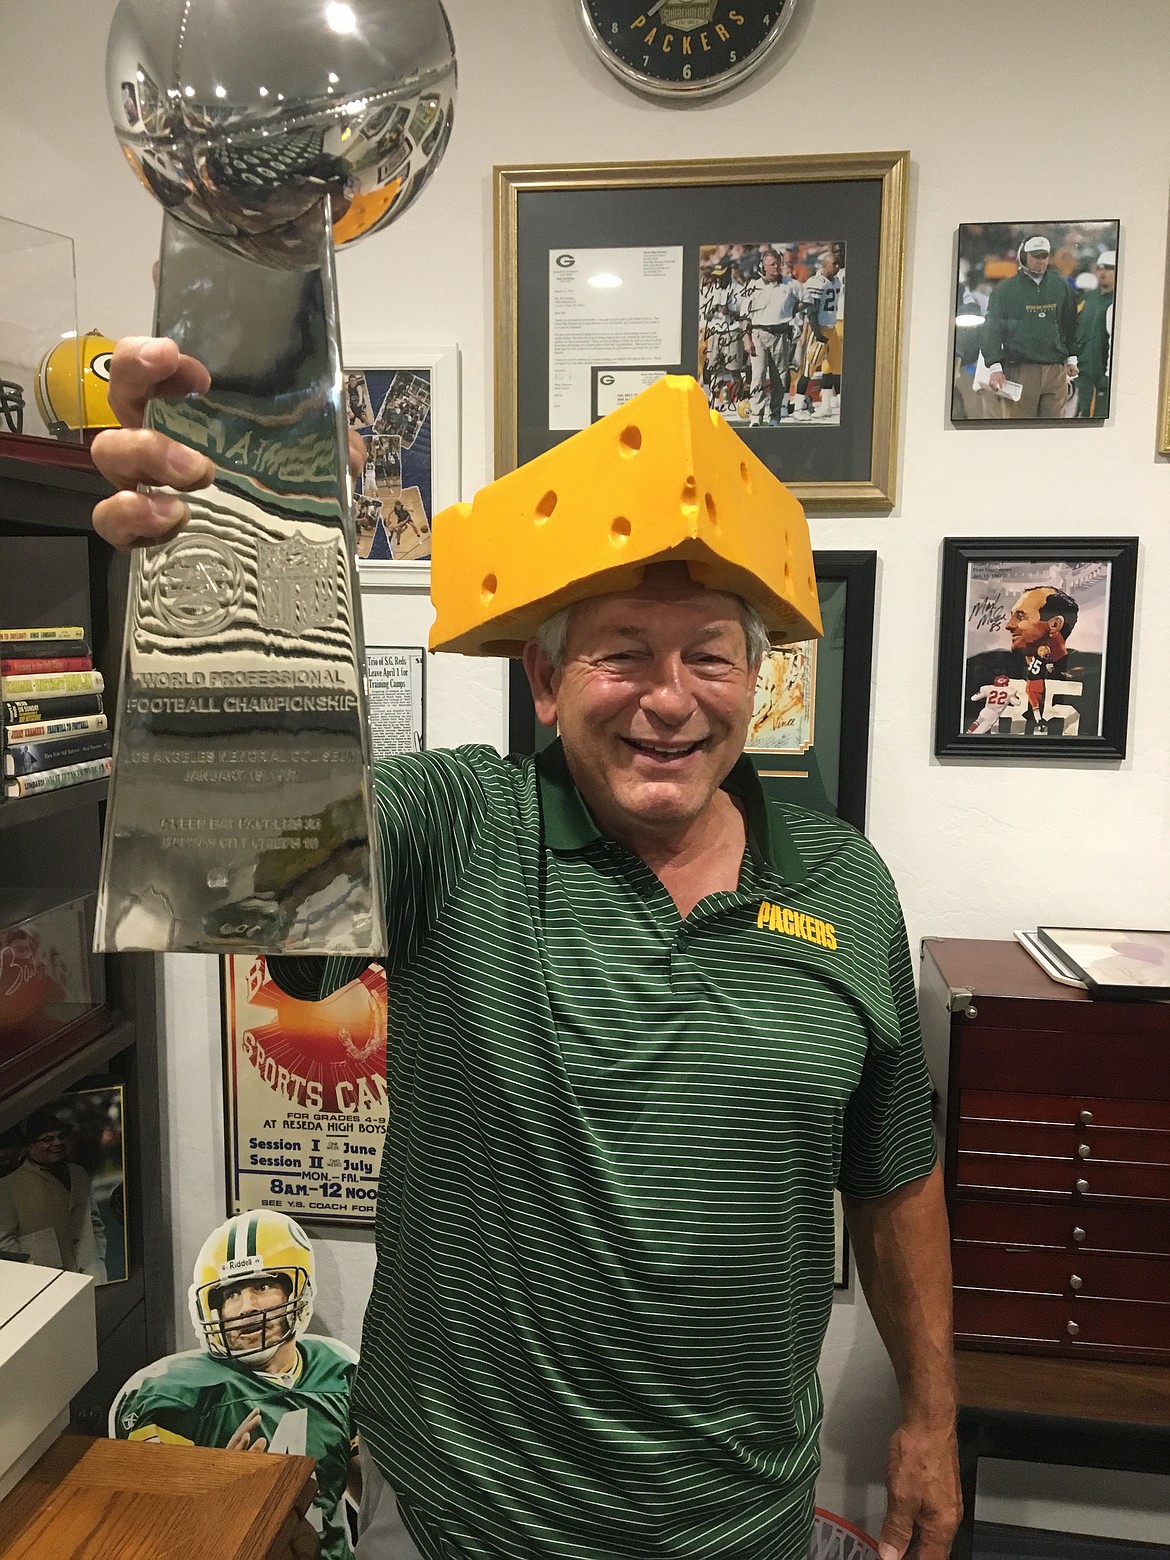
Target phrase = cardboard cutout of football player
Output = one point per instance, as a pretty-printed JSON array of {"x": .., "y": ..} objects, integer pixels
[{"x": 257, "y": 1383}]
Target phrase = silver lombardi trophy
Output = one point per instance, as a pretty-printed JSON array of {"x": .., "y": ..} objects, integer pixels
[{"x": 241, "y": 817}]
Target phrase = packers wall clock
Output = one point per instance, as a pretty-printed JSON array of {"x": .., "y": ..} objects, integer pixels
[{"x": 684, "y": 48}]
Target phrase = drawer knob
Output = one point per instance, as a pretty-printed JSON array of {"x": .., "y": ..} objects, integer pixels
[
  {"x": 1082, "y": 1186},
  {"x": 1078, "y": 1233},
  {"x": 1072, "y": 1329},
  {"x": 1076, "y": 1281},
  {"x": 971, "y": 1012},
  {"x": 1086, "y": 1118},
  {"x": 1083, "y": 1151}
]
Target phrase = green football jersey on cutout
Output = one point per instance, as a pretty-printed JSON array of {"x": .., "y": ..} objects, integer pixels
[{"x": 201, "y": 1400}]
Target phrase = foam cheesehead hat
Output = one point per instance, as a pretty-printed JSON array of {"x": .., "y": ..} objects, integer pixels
[{"x": 663, "y": 479}]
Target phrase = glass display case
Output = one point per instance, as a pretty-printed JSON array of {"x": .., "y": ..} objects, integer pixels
[{"x": 38, "y": 331}]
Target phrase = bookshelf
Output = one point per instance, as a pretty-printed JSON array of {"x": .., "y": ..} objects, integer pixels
[{"x": 50, "y": 846}]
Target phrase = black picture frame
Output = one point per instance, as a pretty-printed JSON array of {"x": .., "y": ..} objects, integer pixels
[
  {"x": 985, "y": 579},
  {"x": 857, "y": 198},
  {"x": 833, "y": 778}
]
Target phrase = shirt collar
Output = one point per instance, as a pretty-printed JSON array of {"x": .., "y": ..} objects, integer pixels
[{"x": 569, "y": 825}]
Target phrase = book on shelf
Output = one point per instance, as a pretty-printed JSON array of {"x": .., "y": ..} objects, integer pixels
[
  {"x": 34, "y": 730},
  {"x": 38, "y": 665},
  {"x": 57, "y": 779},
  {"x": 51, "y": 682},
  {"x": 50, "y": 706},
  {"x": 37, "y": 649},
  {"x": 71, "y": 631},
  {"x": 30, "y": 758}
]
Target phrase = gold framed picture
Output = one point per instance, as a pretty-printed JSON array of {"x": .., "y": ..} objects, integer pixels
[{"x": 740, "y": 272}]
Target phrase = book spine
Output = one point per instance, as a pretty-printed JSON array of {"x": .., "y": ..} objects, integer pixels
[
  {"x": 72, "y": 631},
  {"x": 52, "y": 682},
  {"x": 30, "y": 731},
  {"x": 31, "y": 758},
  {"x": 57, "y": 779},
  {"x": 34, "y": 649},
  {"x": 37, "y": 665},
  {"x": 51, "y": 707}
]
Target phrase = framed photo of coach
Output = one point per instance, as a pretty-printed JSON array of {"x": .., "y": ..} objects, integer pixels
[
  {"x": 776, "y": 282},
  {"x": 1034, "y": 313},
  {"x": 1034, "y": 647}
]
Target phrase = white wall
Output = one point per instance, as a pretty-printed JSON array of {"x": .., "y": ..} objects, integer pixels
[{"x": 1010, "y": 112}]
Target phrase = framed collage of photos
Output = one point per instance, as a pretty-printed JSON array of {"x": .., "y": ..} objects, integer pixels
[
  {"x": 735, "y": 272},
  {"x": 1034, "y": 647},
  {"x": 404, "y": 402}
]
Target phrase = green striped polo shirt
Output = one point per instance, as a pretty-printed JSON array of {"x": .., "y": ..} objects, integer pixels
[{"x": 605, "y": 1217}]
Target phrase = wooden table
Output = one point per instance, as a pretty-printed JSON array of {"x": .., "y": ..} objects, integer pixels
[
  {"x": 93, "y": 1500},
  {"x": 1087, "y": 1413}
]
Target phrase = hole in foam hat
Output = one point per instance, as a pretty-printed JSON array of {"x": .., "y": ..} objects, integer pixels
[
  {"x": 631, "y": 439},
  {"x": 619, "y": 531},
  {"x": 488, "y": 589},
  {"x": 690, "y": 498},
  {"x": 545, "y": 507},
  {"x": 712, "y": 513},
  {"x": 745, "y": 477}
]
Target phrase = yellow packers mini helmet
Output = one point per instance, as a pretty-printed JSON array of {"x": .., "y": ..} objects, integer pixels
[
  {"x": 252, "y": 1246},
  {"x": 65, "y": 405}
]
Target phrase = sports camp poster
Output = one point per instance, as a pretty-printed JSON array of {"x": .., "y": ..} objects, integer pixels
[{"x": 305, "y": 1095}]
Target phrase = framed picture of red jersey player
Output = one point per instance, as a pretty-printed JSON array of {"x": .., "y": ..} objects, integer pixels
[{"x": 1034, "y": 647}]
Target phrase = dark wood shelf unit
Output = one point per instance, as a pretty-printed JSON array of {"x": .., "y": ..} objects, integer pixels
[
  {"x": 1054, "y": 1110},
  {"x": 18, "y": 810},
  {"x": 88, "y": 1055},
  {"x": 48, "y": 492}
]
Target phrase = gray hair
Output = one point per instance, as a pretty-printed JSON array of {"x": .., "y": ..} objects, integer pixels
[{"x": 553, "y": 634}]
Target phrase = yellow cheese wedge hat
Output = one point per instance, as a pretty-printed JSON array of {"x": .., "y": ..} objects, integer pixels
[{"x": 662, "y": 479}]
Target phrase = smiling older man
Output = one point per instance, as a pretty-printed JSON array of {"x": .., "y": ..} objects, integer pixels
[{"x": 642, "y": 1025}]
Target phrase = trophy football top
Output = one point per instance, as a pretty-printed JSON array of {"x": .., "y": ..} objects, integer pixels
[{"x": 239, "y": 118}]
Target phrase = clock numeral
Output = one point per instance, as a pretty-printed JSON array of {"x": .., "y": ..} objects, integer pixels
[
  {"x": 732, "y": 56},
  {"x": 614, "y": 28},
  {"x": 645, "y": 59},
  {"x": 767, "y": 18},
  {"x": 686, "y": 71}
]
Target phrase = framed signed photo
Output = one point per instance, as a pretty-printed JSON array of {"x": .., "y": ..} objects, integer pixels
[
  {"x": 404, "y": 402},
  {"x": 1034, "y": 647},
  {"x": 1034, "y": 312},
  {"x": 735, "y": 272}
]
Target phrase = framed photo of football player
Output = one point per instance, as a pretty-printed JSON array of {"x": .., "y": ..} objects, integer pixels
[
  {"x": 607, "y": 272},
  {"x": 1034, "y": 312},
  {"x": 1034, "y": 647},
  {"x": 404, "y": 403},
  {"x": 63, "y": 1186}
]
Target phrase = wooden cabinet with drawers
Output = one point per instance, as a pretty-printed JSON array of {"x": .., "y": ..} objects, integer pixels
[{"x": 1054, "y": 1111}]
